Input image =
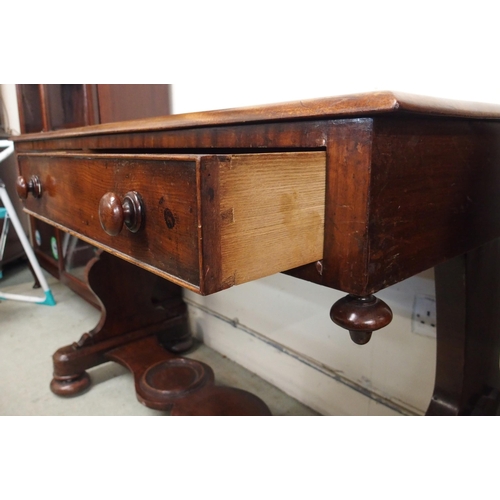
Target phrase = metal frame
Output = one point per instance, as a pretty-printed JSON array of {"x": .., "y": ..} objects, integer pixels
[{"x": 9, "y": 215}]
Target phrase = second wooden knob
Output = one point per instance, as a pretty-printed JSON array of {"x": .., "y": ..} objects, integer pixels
[{"x": 114, "y": 213}]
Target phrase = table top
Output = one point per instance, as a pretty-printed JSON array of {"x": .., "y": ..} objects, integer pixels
[{"x": 355, "y": 105}]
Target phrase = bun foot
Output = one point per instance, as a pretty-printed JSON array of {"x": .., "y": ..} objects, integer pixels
[
  {"x": 68, "y": 386},
  {"x": 179, "y": 346},
  {"x": 360, "y": 338},
  {"x": 177, "y": 339},
  {"x": 361, "y": 316}
]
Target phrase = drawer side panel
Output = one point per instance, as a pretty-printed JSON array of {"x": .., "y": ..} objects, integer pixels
[{"x": 272, "y": 213}]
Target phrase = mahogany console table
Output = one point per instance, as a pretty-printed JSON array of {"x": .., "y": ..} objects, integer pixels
[{"x": 354, "y": 193}]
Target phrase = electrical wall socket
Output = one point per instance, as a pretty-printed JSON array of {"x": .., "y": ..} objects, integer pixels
[{"x": 424, "y": 316}]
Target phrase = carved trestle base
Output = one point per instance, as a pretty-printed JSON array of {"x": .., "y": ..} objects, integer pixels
[
  {"x": 468, "y": 334},
  {"x": 143, "y": 327}
]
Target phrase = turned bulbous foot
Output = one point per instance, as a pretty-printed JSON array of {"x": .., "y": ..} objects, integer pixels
[
  {"x": 361, "y": 316},
  {"x": 68, "y": 386}
]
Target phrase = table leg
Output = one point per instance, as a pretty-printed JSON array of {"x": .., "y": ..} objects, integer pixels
[
  {"x": 143, "y": 326},
  {"x": 468, "y": 334}
]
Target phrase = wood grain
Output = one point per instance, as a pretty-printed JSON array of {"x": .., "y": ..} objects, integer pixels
[
  {"x": 74, "y": 184},
  {"x": 365, "y": 104},
  {"x": 348, "y": 205},
  {"x": 272, "y": 206},
  {"x": 207, "y": 218},
  {"x": 289, "y": 136},
  {"x": 468, "y": 343},
  {"x": 435, "y": 194},
  {"x": 142, "y": 101}
]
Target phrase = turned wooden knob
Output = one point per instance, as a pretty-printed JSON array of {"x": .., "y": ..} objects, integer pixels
[
  {"x": 361, "y": 316},
  {"x": 113, "y": 213},
  {"x": 24, "y": 187}
]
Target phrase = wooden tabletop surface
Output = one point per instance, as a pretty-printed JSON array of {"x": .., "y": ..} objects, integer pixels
[{"x": 354, "y": 105}]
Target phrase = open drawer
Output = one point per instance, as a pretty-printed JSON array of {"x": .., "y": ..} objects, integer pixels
[{"x": 206, "y": 222}]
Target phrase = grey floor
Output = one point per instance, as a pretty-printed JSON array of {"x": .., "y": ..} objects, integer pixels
[{"x": 29, "y": 334}]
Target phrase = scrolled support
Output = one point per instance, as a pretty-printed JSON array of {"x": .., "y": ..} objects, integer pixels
[{"x": 361, "y": 316}]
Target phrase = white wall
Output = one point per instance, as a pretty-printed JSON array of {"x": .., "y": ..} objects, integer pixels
[{"x": 8, "y": 93}]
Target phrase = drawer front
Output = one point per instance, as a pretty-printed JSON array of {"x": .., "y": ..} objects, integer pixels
[
  {"x": 209, "y": 221},
  {"x": 73, "y": 185}
]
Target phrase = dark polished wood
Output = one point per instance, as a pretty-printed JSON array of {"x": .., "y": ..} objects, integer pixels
[
  {"x": 143, "y": 326},
  {"x": 134, "y": 304},
  {"x": 185, "y": 387},
  {"x": 356, "y": 105},
  {"x": 468, "y": 326},
  {"x": 129, "y": 102},
  {"x": 32, "y": 185},
  {"x": 361, "y": 316},
  {"x": 113, "y": 213},
  {"x": 407, "y": 183}
]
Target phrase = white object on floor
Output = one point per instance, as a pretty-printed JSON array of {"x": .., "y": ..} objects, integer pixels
[{"x": 9, "y": 215}]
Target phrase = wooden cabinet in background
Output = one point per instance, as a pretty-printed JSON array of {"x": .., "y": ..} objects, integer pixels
[{"x": 43, "y": 108}]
